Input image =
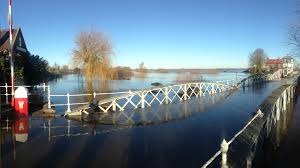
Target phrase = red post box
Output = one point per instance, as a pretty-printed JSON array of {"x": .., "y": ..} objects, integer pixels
[{"x": 21, "y": 101}]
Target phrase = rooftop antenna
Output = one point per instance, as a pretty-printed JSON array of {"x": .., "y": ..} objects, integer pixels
[{"x": 11, "y": 53}]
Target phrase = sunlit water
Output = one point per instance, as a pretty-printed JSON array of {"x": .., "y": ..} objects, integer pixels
[
  {"x": 183, "y": 134},
  {"x": 78, "y": 84},
  {"x": 74, "y": 84}
]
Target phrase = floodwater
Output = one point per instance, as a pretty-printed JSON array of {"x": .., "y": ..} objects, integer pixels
[
  {"x": 78, "y": 84},
  {"x": 74, "y": 84},
  {"x": 183, "y": 134}
]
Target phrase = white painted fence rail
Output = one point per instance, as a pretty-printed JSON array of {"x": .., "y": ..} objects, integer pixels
[
  {"x": 141, "y": 98},
  {"x": 7, "y": 91},
  {"x": 162, "y": 95}
]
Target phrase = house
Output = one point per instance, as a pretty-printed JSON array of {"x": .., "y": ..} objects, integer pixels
[
  {"x": 286, "y": 64},
  {"x": 20, "y": 53},
  {"x": 274, "y": 64},
  {"x": 19, "y": 45}
]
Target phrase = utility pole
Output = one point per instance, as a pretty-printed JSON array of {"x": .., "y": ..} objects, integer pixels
[{"x": 11, "y": 54}]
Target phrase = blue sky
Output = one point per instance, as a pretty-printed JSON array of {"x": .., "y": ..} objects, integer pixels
[{"x": 161, "y": 33}]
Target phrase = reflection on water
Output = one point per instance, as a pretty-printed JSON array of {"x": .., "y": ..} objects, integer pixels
[
  {"x": 282, "y": 147},
  {"x": 155, "y": 114}
]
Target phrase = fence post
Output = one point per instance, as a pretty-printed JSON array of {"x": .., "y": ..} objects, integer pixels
[
  {"x": 200, "y": 89},
  {"x": 94, "y": 94},
  {"x": 224, "y": 149},
  {"x": 114, "y": 106},
  {"x": 143, "y": 100},
  {"x": 284, "y": 100},
  {"x": 196, "y": 86},
  {"x": 69, "y": 108},
  {"x": 184, "y": 92},
  {"x": 278, "y": 109},
  {"x": 49, "y": 97},
  {"x": 44, "y": 87},
  {"x": 6, "y": 93},
  {"x": 166, "y": 95}
]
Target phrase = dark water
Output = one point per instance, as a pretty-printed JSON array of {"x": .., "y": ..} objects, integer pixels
[{"x": 183, "y": 134}]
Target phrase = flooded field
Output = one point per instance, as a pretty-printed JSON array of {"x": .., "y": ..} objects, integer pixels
[{"x": 74, "y": 84}]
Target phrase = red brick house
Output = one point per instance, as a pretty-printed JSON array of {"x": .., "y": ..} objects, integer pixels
[
  {"x": 274, "y": 64},
  {"x": 286, "y": 64}
]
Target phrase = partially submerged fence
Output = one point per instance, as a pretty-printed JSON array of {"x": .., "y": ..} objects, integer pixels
[
  {"x": 6, "y": 90},
  {"x": 242, "y": 149},
  {"x": 166, "y": 94},
  {"x": 140, "y": 98},
  {"x": 121, "y": 101}
]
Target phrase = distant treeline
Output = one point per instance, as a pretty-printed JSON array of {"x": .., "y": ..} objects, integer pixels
[
  {"x": 195, "y": 71},
  {"x": 28, "y": 69}
]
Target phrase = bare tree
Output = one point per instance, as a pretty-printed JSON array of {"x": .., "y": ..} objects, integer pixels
[
  {"x": 93, "y": 52},
  {"x": 257, "y": 60},
  {"x": 294, "y": 38},
  {"x": 294, "y": 33}
]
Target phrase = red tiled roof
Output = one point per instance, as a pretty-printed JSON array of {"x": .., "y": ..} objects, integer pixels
[{"x": 275, "y": 61}]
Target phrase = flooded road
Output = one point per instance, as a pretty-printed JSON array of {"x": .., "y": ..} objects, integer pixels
[{"x": 183, "y": 134}]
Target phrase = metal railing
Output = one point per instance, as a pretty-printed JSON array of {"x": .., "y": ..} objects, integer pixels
[
  {"x": 7, "y": 90},
  {"x": 278, "y": 108},
  {"x": 165, "y": 94},
  {"x": 147, "y": 97}
]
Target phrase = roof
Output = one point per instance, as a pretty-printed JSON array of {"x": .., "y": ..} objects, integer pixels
[
  {"x": 275, "y": 61},
  {"x": 4, "y": 39}
]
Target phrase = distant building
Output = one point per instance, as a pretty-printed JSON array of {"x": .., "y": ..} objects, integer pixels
[
  {"x": 274, "y": 64},
  {"x": 286, "y": 64}
]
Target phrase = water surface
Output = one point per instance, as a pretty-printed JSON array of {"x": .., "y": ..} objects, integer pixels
[{"x": 182, "y": 134}]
